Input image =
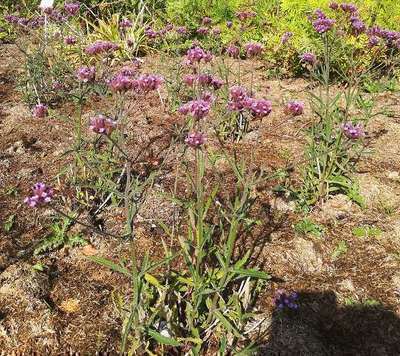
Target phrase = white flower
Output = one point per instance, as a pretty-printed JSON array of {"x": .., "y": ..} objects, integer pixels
[{"x": 45, "y": 4}]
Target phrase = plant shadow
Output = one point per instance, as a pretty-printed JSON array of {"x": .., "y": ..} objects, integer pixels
[{"x": 322, "y": 327}]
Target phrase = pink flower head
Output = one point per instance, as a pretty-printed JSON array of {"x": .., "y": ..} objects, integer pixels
[
  {"x": 216, "y": 31},
  {"x": 216, "y": 83},
  {"x": 308, "y": 58},
  {"x": 245, "y": 15},
  {"x": 233, "y": 51},
  {"x": 237, "y": 98},
  {"x": 286, "y": 37},
  {"x": 204, "y": 79},
  {"x": 294, "y": 108},
  {"x": 197, "y": 108},
  {"x": 253, "y": 49},
  {"x": 373, "y": 41},
  {"x": 41, "y": 194},
  {"x": 229, "y": 24},
  {"x": 121, "y": 83},
  {"x": 352, "y": 131},
  {"x": 259, "y": 107},
  {"x": 197, "y": 54},
  {"x": 99, "y": 47},
  {"x": 102, "y": 125},
  {"x": 125, "y": 23},
  {"x": 323, "y": 24},
  {"x": 334, "y": 5},
  {"x": 86, "y": 74},
  {"x": 150, "y": 33},
  {"x": 40, "y": 111},
  {"x": 70, "y": 40},
  {"x": 149, "y": 82},
  {"x": 350, "y": 8},
  {"x": 195, "y": 139},
  {"x": 189, "y": 79},
  {"x": 208, "y": 97},
  {"x": 357, "y": 25},
  {"x": 182, "y": 30},
  {"x": 72, "y": 8},
  {"x": 206, "y": 20},
  {"x": 203, "y": 31}
]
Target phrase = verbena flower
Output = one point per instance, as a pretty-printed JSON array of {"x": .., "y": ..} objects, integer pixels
[
  {"x": 102, "y": 125},
  {"x": 208, "y": 97},
  {"x": 121, "y": 83},
  {"x": 99, "y": 47},
  {"x": 206, "y": 20},
  {"x": 181, "y": 30},
  {"x": 357, "y": 25},
  {"x": 233, "y": 51},
  {"x": 125, "y": 23},
  {"x": 373, "y": 41},
  {"x": 149, "y": 82},
  {"x": 70, "y": 40},
  {"x": 237, "y": 98},
  {"x": 350, "y": 8},
  {"x": 203, "y": 31},
  {"x": 204, "y": 79},
  {"x": 245, "y": 15},
  {"x": 323, "y": 24},
  {"x": 253, "y": 49},
  {"x": 86, "y": 74},
  {"x": 41, "y": 195},
  {"x": 352, "y": 131},
  {"x": 150, "y": 33},
  {"x": 72, "y": 8},
  {"x": 216, "y": 83},
  {"x": 229, "y": 24},
  {"x": 199, "y": 108},
  {"x": 259, "y": 107},
  {"x": 40, "y": 111},
  {"x": 286, "y": 37},
  {"x": 309, "y": 58},
  {"x": 216, "y": 31},
  {"x": 294, "y": 108},
  {"x": 189, "y": 79},
  {"x": 197, "y": 54},
  {"x": 334, "y": 5},
  {"x": 285, "y": 300},
  {"x": 195, "y": 139}
]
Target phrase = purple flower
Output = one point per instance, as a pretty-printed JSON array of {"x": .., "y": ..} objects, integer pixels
[
  {"x": 195, "y": 139},
  {"x": 253, "y": 49},
  {"x": 86, "y": 74},
  {"x": 206, "y": 20},
  {"x": 121, "y": 83},
  {"x": 294, "y": 108},
  {"x": 149, "y": 82},
  {"x": 125, "y": 23},
  {"x": 352, "y": 131},
  {"x": 373, "y": 41},
  {"x": 150, "y": 33},
  {"x": 197, "y": 108},
  {"x": 319, "y": 14},
  {"x": 203, "y": 31},
  {"x": 181, "y": 30},
  {"x": 72, "y": 8},
  {"x": 233, "y": 51},
  {"x": 350, "y": 8},
  {"x": 204, "y": 79},
  {"x": 217, "y": 83},
  {"x": 322, "y": 25},
  {"x": 259, "y": 107},
  {"x": 189, "y": 79},
  {"x": 102, "y": 125},
  {"x": 216, "y": 31},
  {"x": 237, "y": 98},
  {"x": 70, "y": 40},
  {"x": 208, "y": 97},
  {"x": 285, "y": 300},
  {"x": 308, "y": 58},
  {"x": 357, "y": 25},
  {"x": 229, "y": 24},
  {"x": 42, "y": 194},
  {"x": 99, "y": 47},
  {"x": 286, "y": 37},
  {"x": 334, "y": 5},
  {"x": 245, "y": 15},
  {"x": 40, "y": 111},
  {"x": 197, "y": 54}
]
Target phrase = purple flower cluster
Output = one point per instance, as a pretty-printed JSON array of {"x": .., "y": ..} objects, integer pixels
[
  {"x": 99, "y": 47},
  {"x": 308, "y": 58},
  {"x": 323, "y": 24},
  {"x": 204, "y": 80},
  {"x": 203, "y": 31},
  {"x": 199, "y": 108},
  {"x": 32, "y": 23},
  {"x": 253, "y": 49},
  {"x": 239, "y": 100},
  {"x": 196, "y": 55},
  {"x": 40, "y": 111},
  {"x": 86, "y": 74},
  {"x": 125, "y": 23},
  {"x": 121, "y": 83},
  {"x": 357, "y": 25},
  {"x": 349, "y": 8},
  {"x": 391, "y": 38},
  {"x": 233, "y": 51},
  {"x": 72, "y": 8},
  {"x": 206, "y": 20},
  {"x": 285, "y": 300},
  {"x": 181, "y": 30},
  {"x": 41, "y": 194},
  {"x": 286, "y": 37},
  {"x": 149, "y": 82},
  {"x": 294, "y": 108},
  {"x": 352, "y": 131},
  {"x": 70, "y": 40},
  {"x": 229, "y": 24},
  {"x": 245, "y": 15},
  {"x": 195, "y": 139},
  {"x": 102, "y": 125}
]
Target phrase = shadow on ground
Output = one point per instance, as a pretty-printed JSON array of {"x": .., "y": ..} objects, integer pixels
[{"x": 321, "y": 327}]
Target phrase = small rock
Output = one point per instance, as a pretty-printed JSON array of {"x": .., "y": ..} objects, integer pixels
[
  {"x": 393, "y": 175},
  {"x": 337, "y": 207},
  {"x": 347, "y": 284},
  {"x": 70, "y": 305},
  {"x": 307, "y": 258},
  {"x": 89, "y": 250},
  {"x": 282, "y": 205}
]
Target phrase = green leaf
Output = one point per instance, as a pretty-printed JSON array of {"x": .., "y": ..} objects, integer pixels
[
  {"x": 225, "y": 322},
  {"x": 252, "y": 273},
  {"x": 163, "y": 339},
  {"x": 110, "y": 264},
  {"x": 9, "y": 223},
  {"x": 152, "y": 280}
]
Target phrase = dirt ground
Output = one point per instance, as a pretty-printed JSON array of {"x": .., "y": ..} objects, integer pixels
[{"x": 349, "y": 304}]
